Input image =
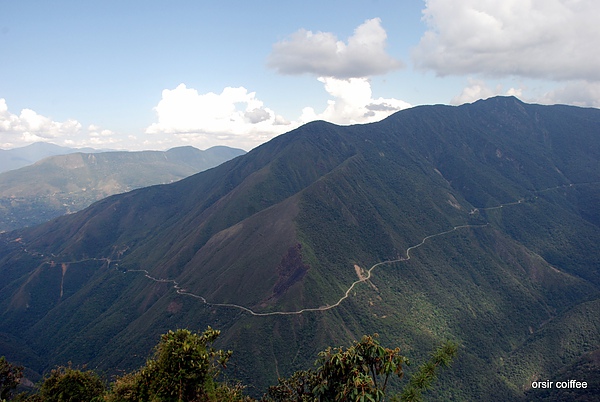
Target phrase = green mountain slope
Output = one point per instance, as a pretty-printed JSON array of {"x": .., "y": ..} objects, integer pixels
[
  {"x": 469, "y": 223},
  {"x": 68, "y": 183}
]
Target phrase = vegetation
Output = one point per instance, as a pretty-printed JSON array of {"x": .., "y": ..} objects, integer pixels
[
  {"x": 424, "y": 377},
  {"x": 293, "y": 223},
  {"x": 185, "y": 367},
  {"x": 68, "y": 384},
  {"x": 360, "y": 373},
  {"x": 68, "y": 183},
  {"x": 9, "y": 378}
]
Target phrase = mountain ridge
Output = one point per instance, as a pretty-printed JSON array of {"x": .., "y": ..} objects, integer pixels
[
  {"x": 284, "y": 227},
  {"x": 16, "y": 158},
  {"x": 63, "y": 184}
]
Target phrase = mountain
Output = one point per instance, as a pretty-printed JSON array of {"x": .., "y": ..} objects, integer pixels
[
  {"x": 68, "y": 183},
  {"x": 19, "y": 157},
  {"x": 478, "y": 223}
]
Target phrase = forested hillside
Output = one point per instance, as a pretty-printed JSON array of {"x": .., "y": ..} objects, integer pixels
[
  {"x": 64, "y": 184},
  {"x": 478, "y": 224}
]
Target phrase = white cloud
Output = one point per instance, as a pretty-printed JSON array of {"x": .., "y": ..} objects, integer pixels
[
  {"x": 322, "y": 54},
  {"x": 97, "y": 136},
  {"x": 352, "y": 103},
  {"x": 29, "y": 126},
  {"x": 577, "y": 93},
  {"x": 549, "y": 39},
  {"x": 235, "y": 117}
]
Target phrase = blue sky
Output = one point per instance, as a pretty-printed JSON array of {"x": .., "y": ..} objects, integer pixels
[{"x": 157, "y": 74}]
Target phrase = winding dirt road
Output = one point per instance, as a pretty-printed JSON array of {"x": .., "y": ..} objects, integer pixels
[
  {"x": 182, "y": 291},
  {"x": 362, "y": 278}
]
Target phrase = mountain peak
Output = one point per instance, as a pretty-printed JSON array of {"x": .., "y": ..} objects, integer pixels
[
  {"x": 478, "y": 223},
  {"x": 502, "y": 99}
]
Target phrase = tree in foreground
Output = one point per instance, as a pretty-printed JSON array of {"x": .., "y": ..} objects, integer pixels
[
  {"x": 184, "y": 368},
  {"x": 66, "y": 384},
  {"x": 359, "y": 373},
  {"x": 10, "y": 375},
  {"x": 427, "y": 373}
]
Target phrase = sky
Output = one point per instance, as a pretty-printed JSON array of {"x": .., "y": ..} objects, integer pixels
[{"x": 134, "y": 75}]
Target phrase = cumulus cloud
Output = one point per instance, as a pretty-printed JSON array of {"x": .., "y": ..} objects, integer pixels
[
  {"x": 29, "y": 126},
  {"x": 97, "y": 136},
  {"x": 577, "y": 93},
  {"x": 551, "y": 39},
  {"x": 353, "y": 103},
  {"x": 234, "y": 117},
  {"x": 322, "y": 54}
]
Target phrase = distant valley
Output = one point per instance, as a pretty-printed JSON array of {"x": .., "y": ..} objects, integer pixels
[
  {"x": 478, "y": 223},
  {"x": 63, "y": 184}
]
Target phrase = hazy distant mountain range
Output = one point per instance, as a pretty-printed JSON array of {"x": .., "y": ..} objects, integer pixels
[
  {"x": 68, "y": 183},
  {"x": 19, "y": 157},
  {"x": 478, "y": 223}
]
